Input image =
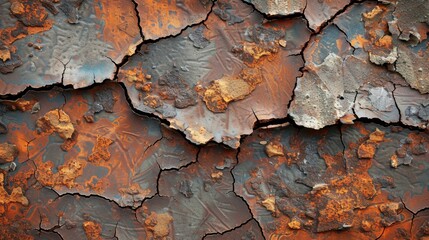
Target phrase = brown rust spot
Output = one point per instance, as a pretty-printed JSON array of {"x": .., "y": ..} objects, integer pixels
[
  {"x": 134, "y": 192},
  {"x": 20, "y": 104},
  {"x": 152, "y": 101},
  {"x": 231, "y": 88},
  {"x": 65, "y": 175},
  {"x": 92, "y": 230},
  {"x": 100, "y": 152},
  {"x": 29, "y": 12},
  {"x": 56, "y": 121},
  {"x": 274, "y": 148},
  {"x": 16, "y": 196},
  {"x": 390, "y": 213},
  {"x": 69, "y": 143},
  {"x": 132, "y": 75},
  {"x": 158, "y": 225},
  {"x": 367, "y": 149},
  {"x": 164, "y": 18},
  {"x": 8, "y": 152},
  {"x": 252, "y": 53}
]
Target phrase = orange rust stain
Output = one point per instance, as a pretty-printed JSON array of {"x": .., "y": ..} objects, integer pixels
[
  {"x": 16, "y": 196},
  {"x": 274, "y": 148},
  {"x": 56, "y": 121},
  {"x": 158, "y": 225},
  {"x": 11, "y": 34},
  {"x": 120, "y": 25},
  {"x": 100, "y": 151},
  {"x": 92, "y": 230},
  {"x": 164, "y": 18},
  {"x": 374, "y": 12},
  {"x": 65, "y": 175},
  {"x": 368, "y": 148},
  {"x": 359, "y": 41},
  {"x": 231, "y": 88},
  {"x": 385, "y": 41}
]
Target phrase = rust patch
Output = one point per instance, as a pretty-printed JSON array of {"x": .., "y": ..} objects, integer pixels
[
  {"x": 251, "y": 53},
  {"x": 367, "y": 149},
  {"x": 166, "y": 18},
  {"x": 56, "y": 121},
  {"x": 274, "y": 148},
  {"x": 158, "y": 225},
  {"x": 92, "y": 230},
  {"x": 16, "y": 195},
  {"x": 19, "y": 105},
  {"x": 228, "y": 88},
  {"x": 65, "y": 174},
  {"x": 100, "y": 152},
  {"x": 8, "y": 152}
]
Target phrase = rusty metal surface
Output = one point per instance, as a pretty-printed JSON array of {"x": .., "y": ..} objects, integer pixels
[
  {"x": 321, "y": 181},
  {"x": 188, "y": 84},
  {"x": 200, "y": 119},
  {"x": 72, "y": 42}
]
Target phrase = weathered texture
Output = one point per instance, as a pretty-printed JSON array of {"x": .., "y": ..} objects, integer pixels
[
  {"x": 249, "y": 82},
  {"x": 179, "y": 79},
  {"x": 319, "y": 95},
  {"x": 199, "y": 190},
  {"x": 320, "y": 184},
  {"x": 8, "y": 152},
  {"x": 343, "y": 78},
  {"x": 94, "y": 157},
  {"x": 319, "y": 12},
  {"x": 160, "y": 19},
  {"x": 75, "y": 45},
  {"x": 279, "y": 7},
  {"x": 250, "y": 230},
  {"x": 413, "y": 65}
]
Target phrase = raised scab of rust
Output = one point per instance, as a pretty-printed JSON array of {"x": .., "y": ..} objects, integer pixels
[
  {"x": 56, "y": 121},
  {"x": 64, "y": 175},
  {"x": 8, "y": 152},
  {"x": 92, "y": 230},
  {"x": 16, "y": 195},
  {"x": 368, "y": 148},
  {"x": 227, "y": 89},
  {"x": 100, "y": 152}
]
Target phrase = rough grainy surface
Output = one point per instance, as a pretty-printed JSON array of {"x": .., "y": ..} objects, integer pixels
[
  {"x": 77, "y": 46},
  {"x": 257, "y": 62},
  {"x": 200, "y": 119}
]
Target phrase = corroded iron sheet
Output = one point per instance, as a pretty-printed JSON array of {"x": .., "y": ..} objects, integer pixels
[
  {"x": 303, "y": 183},
  {"x": 69, "y": 42},
  {"x": 220, "y": 77},
  {"x": 201, "y": 119}
]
